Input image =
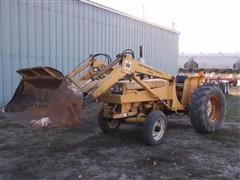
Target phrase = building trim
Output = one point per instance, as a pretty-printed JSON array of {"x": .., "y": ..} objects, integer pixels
[{"x": 127, "y": 15}]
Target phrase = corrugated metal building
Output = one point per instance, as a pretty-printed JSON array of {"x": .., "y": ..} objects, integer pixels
[{"x": 61, "y": 34}]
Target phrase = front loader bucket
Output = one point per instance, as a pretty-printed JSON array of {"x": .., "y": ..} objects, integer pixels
[{"x": 47, "y": 98}]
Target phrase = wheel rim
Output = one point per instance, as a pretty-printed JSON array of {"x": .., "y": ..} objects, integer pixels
[
  {"x": 158, "y": 130},
  {"x": 213, "y": 109},
  {"x": 112, "y": 123}
]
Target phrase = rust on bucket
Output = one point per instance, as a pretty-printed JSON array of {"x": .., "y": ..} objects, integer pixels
[{"x": 45, "y": 93}]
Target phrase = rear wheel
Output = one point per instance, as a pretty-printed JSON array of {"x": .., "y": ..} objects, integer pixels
[
  {"x": 207, "y": 108},
  {"x": 108, "y": 125},
  {"x": 154, "y": 128}
]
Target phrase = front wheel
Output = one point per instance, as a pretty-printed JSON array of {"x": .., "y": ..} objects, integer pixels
[
  {"x": 154, "y": 128},
  {"x": 108, "y": 125}
]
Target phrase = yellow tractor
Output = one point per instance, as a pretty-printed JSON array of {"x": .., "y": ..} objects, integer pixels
[{"x": 130, "y": 91}]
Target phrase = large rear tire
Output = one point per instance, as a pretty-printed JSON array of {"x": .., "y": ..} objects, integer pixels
[
  {"x": 154, "y": 128},
  {"x": 207, "y": 108},
  {"x": 108, "y": 125}
]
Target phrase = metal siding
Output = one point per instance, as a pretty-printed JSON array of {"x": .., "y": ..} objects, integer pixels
[
  {"x": 107, "y": 32},
  {"x": 53, "y": 34},
  {"x": 98, "y": 30},
  {"x": 1, "y": 57},
  {"x": 31, "y": 34},
  {"x": 95, "y": 30},
  {"x": 6, "y": 51},
  {"x": 111, "y": 29},
  {"x": 61, "y": 34},
  {"x": 75, "y": 33},
  {"x": 117, "y": 44}
]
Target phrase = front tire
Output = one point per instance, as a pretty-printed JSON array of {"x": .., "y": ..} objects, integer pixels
[
  {"x": 154, "y": 128},
  {"x": 207, "y": 108},
  {"x": 108, "y": 125}
]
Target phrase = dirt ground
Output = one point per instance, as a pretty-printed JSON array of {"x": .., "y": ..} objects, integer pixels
[{"x": 85, "y": 153}]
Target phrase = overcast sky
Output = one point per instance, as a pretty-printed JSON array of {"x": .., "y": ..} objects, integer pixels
[{"x": 206, "y": 26}]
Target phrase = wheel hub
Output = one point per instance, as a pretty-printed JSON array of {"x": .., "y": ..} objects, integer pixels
[
  {"x": 158, "y": 130},
  {"x": 213, "y": 109},
  {"x": 112, "y": 123}
]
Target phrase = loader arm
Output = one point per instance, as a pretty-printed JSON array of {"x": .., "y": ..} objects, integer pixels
[
  {"x": 128, "y": 67},
  {"x": 94, "y": 66}
]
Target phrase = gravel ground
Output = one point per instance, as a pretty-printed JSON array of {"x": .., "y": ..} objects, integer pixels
[{"x": 85, "y": 153}]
